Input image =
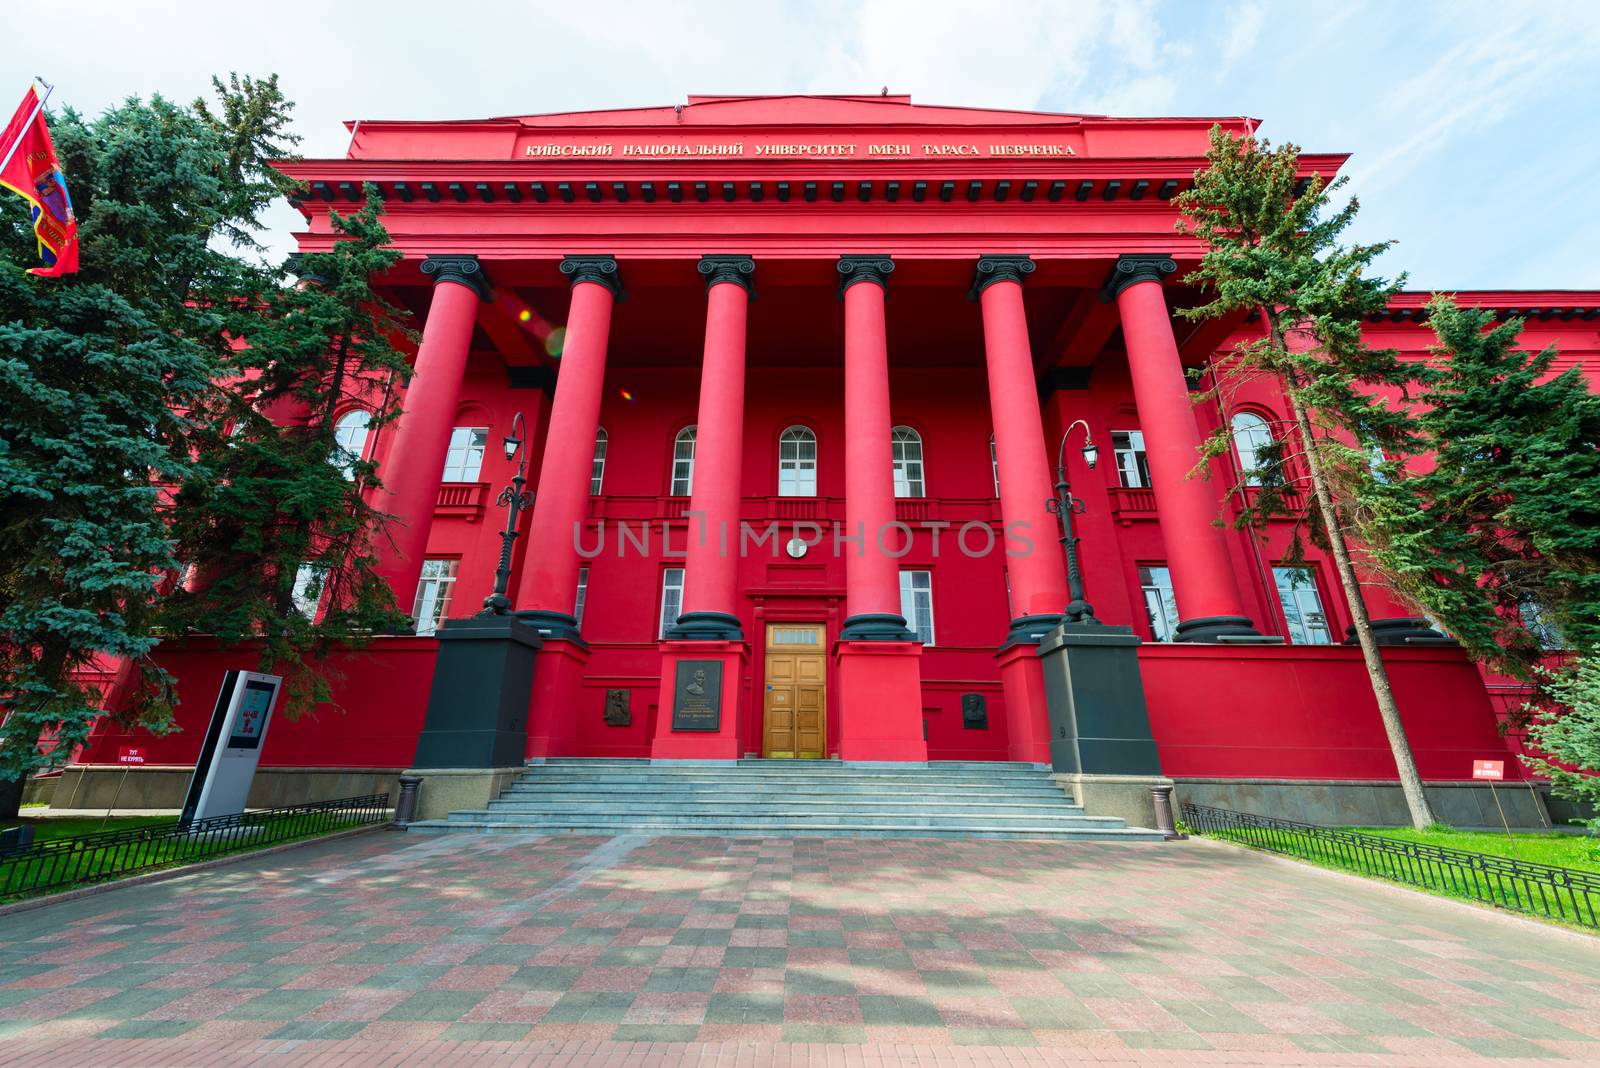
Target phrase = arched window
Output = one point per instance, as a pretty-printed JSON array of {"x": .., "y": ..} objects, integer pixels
[
  {"x": 994, "y": 469},
  {"x": 350, "y": 440},
  {"x": 683, "y": 463},
  {"x": 907, "y": 444},
  {"x": 797, "y": 463},
  {"x": 597, "y": 476},
  {"x": 1253, "y": 443}
]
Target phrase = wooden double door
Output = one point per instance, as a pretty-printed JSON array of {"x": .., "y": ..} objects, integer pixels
[{"x": 795, "y": 713}]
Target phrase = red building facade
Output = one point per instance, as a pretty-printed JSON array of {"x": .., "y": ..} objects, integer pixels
[{"x": 793, "y": 373}]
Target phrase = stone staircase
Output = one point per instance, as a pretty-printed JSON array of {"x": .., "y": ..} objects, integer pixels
[{"x": 788, "y": 798}]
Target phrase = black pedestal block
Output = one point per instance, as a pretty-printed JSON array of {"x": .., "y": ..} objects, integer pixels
[
  {"x": 1402, "y": 630},
  {"x": 478, "y": 707},
  {"x": 1098, "y": 721}
]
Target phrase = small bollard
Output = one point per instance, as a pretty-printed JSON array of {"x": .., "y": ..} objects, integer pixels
[
  {"x": 1161, "y": 797},
  {"x": 17, "y": 839},
  {"x": 405, "y": 809}
]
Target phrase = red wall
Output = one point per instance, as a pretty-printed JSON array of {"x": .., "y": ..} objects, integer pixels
[
  {"x": 380, "y": 699},
  {"x": 1309, "y": 713}
]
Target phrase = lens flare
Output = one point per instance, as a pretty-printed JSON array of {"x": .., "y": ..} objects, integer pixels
[
  {"x": 525, "y": 315},
  {"x": 556, "y": 341},
  {"x": 627, "y": 396}
]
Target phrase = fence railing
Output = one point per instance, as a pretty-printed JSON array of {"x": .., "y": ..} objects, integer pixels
[
  {"x": 59, "y": 862},
  {"x": 1535, "y": 889}
]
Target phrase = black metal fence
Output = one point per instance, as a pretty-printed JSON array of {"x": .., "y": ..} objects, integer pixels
[
  {"x": 1536, "y": 889},
  {"x": 53, "y": 864}
]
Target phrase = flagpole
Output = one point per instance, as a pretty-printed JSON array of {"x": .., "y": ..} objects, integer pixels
[{"x": 12, "y": 151}]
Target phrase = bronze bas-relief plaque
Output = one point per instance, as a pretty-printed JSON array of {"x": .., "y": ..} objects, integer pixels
[{"x": 697, "y": 699}]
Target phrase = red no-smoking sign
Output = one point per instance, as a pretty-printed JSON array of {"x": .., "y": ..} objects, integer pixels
[
  {"x": 130, "y": 754},
  {"x": 1488, "y": 769}
]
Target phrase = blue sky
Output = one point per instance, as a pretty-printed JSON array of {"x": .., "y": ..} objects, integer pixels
[{"x": 1473, "y": 125}]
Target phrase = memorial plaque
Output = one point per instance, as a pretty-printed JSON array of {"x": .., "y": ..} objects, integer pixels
[
  {"x": 617, "y": 713},
  {"x": 697, "y": 700}
]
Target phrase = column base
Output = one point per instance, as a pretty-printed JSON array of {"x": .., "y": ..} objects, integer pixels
[
  {"x": 1216, "y": 628},
  {"x": 446, "y": 790},
  {"x": 1031, "y": 629},
  {"x": 876, "y": 627},
  {"x": 1099, "y": 724},
  {"x": 557, "y": 688},
  {"x": 706, "y": 627},
  {"x": 1402, "y": 630},
  {"x": 684, "y": 734},
  {"x": 482, "y": 687},
  {"x": 551, "y": 624},
  {"x": 1125, "y": 797},
  {"x": 1027, "y": 712},
  {"x": 880, "y": 700}
]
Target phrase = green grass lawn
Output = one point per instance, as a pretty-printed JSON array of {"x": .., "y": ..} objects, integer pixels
[
  {"x": 1561, "y": 850},
  {"x": 1557, "y": 899},
  {"x": 45, "y": 828},
  {"x": 52, "y": 871}
]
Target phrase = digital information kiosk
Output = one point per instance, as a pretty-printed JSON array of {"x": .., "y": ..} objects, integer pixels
[{"x": 227, "y": 763}]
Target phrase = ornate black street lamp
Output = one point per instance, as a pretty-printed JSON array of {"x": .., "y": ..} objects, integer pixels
[
  {"x": 512, "y": 497},
  {"x": 1066, "y": 506}
]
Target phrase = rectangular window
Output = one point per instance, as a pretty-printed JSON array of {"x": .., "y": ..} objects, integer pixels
[
  {"x": 1160, "y": 604},
  {"x": 916, "y": 603},
  {"x": 1128, "y": 448},
  {"x": 583, "y": 595},
  {"x": 1302, "y": 606},
  {"x": 465, "y": 458},
  {"x": 671, "y": 598},
  {"x": 307, "y": 591},
  {"x": 432, "y": 605},
  {"x": 797, "y": 464}
]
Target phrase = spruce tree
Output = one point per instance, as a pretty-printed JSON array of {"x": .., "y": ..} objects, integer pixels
[
  {"x": 98, "y": 370},
  {"x": 1273, "y": 248},
  {"x": 279, "y": 523},
  {"x": 1497, "y": 534}
]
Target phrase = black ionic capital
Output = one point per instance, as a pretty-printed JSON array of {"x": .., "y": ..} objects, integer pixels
[
  {"x": 1005, "y": 267},
  {"x": 1133, "y": 269},
  {"x": 462, "y": 269},
  {"x": 602, "y": 270},
  {"x": 740, "y": 270},
  {"x": 864, "y": 268}
]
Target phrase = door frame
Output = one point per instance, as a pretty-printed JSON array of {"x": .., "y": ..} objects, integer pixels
[{"x": 768, "y": 623}]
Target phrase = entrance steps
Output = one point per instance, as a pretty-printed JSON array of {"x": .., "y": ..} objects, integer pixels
[{"x": 788, "y": 798}]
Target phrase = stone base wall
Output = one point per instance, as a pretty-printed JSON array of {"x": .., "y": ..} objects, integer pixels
[
  {"x": 1363, "y": 803},
  {"x": 96, "y": 786}
]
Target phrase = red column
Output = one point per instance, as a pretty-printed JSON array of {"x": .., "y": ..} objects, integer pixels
[
  {"x": 415, "y": 465},
  {"x": 1197, "y": 554},
  {"x": 878, "y": 661},
  {"x": 711, "y": 573},
  {"x": 1033, "y": 560},
  {"x": 708, "y": 628},
  {"x": 1038, "y": 577},
  {"x": 872, "y": 576},
  {"x": 549, "y": 586}
]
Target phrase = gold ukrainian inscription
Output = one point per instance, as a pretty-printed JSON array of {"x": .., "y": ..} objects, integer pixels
[{"x": 790, "y": 150}]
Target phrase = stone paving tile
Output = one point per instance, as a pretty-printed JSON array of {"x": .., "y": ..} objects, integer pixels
[{"x": 397, "y": 950}]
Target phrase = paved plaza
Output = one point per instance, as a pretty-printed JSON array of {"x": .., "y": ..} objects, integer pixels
[{"x": 497, "y": 949}]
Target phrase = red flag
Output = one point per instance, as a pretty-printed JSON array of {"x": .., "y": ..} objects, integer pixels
[{"x": 29, "y": 168}]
